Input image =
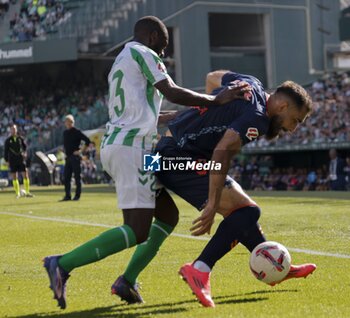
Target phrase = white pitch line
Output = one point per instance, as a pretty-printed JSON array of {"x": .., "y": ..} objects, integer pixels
[
  {"x": 312, "y": 252},
  {"x": 77, "y": 222},
  {"x": 70, "y": 221}
]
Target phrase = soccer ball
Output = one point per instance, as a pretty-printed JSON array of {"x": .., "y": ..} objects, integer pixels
[
  {"x": 23, "y": 192},
  {"x": 270, "y": 262}
]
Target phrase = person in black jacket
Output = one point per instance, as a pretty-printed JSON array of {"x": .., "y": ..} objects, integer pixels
[
  {"x": 15, "y": 155},
  {"x": 72, "y": 138},
  {"x": 336, "y": 171}
]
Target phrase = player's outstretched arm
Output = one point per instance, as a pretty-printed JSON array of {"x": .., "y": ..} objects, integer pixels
[
  {"x": 228, "y": 146},
  {"x": 187, "y": 97}
]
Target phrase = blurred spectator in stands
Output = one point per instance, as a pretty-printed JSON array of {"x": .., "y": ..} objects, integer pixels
[
  {"x": 347, "y": 171},
  {"x": 4, "y": 168},
  {"x": 336, "y": 171},
  {"x": 265, "y": 177},
  {"x": 252, "y": 166},
  {"x": 36, "y": 19},
  {"x": 61, "y": 161},
  {"x": 280, "y": 180},
  {"x": 89, "y": 171},
  {"x": 322, "y": 180},
  {"x": 4, "y": 7},
  {"x": 293, "y": 180},
  {"x": 265, "y": 163},
  {"x": 256, "y": 181},
  {"x": 91, "y": 152},
  {"x": 38, "y": 112},
  {"x": 311, "y": 181}
]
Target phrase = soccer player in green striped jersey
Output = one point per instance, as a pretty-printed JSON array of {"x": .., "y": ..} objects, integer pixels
[{"x": 138, "y": 81}]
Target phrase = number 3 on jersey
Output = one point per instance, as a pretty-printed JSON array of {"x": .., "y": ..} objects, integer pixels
[{"x": 119, "y": 92}]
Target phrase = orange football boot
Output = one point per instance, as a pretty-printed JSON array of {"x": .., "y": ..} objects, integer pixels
[
  {"x": 199, "y": 282},
  {"x": 298, "y": 271}
]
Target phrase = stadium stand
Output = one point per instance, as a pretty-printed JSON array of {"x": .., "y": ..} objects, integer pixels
[
  {"x": 258, "y": 173},
  {"x": 7, "y": 9},
  {"x": 39, "y": 114},
  {"x": 36, "y": 19},
  {"x": 99, "y": 24},
  {"x": 5, "y": 6}
]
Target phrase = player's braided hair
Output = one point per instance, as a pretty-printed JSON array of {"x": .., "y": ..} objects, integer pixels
[{"x": 297, "y": 94}]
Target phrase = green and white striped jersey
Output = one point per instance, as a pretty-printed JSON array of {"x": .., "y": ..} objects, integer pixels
[{"x": 134, "y": 102}]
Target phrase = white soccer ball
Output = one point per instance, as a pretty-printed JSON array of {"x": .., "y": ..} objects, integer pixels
[
  {"x": 23, "y": 192},
  {"x": 270, "y": 262}
]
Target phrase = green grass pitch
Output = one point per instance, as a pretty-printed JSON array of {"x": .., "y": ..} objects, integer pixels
[{"x": 308, "y": 221}]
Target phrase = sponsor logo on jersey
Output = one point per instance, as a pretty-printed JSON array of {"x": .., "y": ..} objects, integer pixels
[
  {"x": 252, "y": 133},
  {"x": 161, "y": 67}
]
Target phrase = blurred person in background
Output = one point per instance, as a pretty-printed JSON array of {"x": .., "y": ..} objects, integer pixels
[
  {"x": 72, "y": 138},
  {"x": 61, "y": 161},
  {"x": 15, "y": 155},
  {"x": 311, "y": 180},
  {"x": 336, "y": 171},
  {"x": 91, "y": 152},
  {"x": 322, "y": 180},
  {"x": 3, "y": 168},
  {"x": 4, "y": 6},
  {"x": 347, "y": 171}
]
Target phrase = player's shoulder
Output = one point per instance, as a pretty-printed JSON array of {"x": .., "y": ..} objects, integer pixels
[
  {"x": 233, "y": 76},
  {"x": 251, "y": 123},
  {"x": 139, "y": 48}
]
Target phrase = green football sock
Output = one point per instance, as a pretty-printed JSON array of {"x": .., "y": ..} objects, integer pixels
[
  {"x": 15, "y": 184},
  {"x": 146, "y": 251},
  {"x": 107, "y": 243},
  {"x": 26, "y": 184}
]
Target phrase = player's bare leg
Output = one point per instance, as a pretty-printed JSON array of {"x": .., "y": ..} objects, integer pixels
[
  {"x": 166, "y": 217},
  {"x": 197, "y": 274},
  {"x": 240, "y": 225},
  {"x": 134, "y": 231},
  {"x": 228, "y": 204}
]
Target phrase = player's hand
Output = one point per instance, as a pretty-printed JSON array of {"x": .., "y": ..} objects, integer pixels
[
  {"x": 204, "y": 223},
  {"x": 236, "y": 90},
  {"x": 76, "y": 152}
]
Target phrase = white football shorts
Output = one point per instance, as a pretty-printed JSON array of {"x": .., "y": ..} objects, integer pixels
[{"x": 135, "y": 188}]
